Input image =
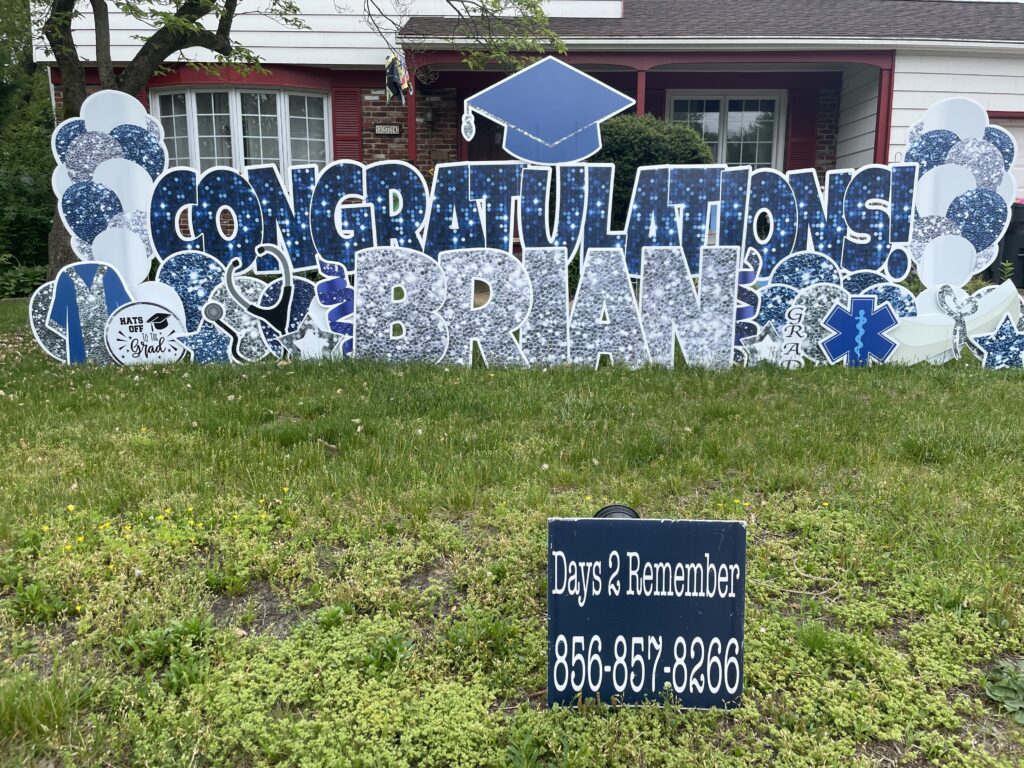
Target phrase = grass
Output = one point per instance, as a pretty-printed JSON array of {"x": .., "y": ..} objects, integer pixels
[{"x": 344, "y": 564}]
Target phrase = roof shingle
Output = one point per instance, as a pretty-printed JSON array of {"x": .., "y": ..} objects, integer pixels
[{"x": 778, "y": 19}]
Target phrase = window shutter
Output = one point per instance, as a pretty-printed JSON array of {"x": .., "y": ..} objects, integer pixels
[
  {"x": 802, "y": 143},
  {"x": 347, "y": 116}
]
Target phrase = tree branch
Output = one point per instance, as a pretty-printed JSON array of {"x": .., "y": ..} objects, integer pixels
[{"x": 173, "y": 37}]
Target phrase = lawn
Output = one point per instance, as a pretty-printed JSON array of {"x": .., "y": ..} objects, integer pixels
[{"x": 344, "y": 563}]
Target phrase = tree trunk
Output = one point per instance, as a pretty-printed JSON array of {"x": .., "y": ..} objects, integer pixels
[
  {"x": 59, "y": 246},
  {"x": 59, "y": 240}
]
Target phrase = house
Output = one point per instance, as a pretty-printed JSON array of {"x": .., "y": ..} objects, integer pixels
[{"x": 780, "y": 83}]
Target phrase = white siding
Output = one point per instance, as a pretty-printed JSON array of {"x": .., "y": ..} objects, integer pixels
[
  {"x": 337, "y": 34},
  {"x": 921, "y": 79},
  {"x": 858, "y": 112},
  {"x": 1016, "y": 127}
]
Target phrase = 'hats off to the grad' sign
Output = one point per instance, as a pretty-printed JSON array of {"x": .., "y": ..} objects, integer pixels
[{"x": 552, "y": 112}]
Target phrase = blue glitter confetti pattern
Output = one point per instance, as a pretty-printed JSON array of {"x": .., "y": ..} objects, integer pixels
[
  {"x": 1003, "y": 141},
  {"x": 930, "y": 149},
  {"x": 142, "y": 148},
  {"x": 88, "y": 208},
  {"x": 1002, "y": 349},
  {"x": 813, "y": 250},
  {"x": 807, "y": 268}
]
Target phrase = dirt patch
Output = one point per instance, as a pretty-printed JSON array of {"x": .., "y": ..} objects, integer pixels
[
  {"x": 436, "y": 573},
  {"x": 892, "y": 635},
  {"x": 328, "y": 557},
  {"x": 888, "y": 753},
  {"x": 436, "y": 576},
  {"x": 48, "y": 644},
  {"x": 260, "y": 611}
]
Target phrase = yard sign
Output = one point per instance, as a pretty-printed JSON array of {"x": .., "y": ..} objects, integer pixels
[{"x": 641, "y": 609}]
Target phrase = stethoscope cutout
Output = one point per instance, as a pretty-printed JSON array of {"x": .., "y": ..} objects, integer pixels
[
  {"x": 214, "y": 312},
  {"x": 277, "y": 316}
]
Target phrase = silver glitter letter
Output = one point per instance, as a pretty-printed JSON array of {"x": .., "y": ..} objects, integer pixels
[
  {"x": 545, "y": 334},
  {"x": 670, "y": 307},
  {"x": 604, "y": 319},
  {"x": 492, "y": 324},
  {"x": 398, "y": 294}
]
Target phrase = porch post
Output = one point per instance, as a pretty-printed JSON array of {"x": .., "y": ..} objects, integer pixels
[
  {"x": 411, "y": 123},
  {"x": 641, "y": 92},
  {"x": 883, "y": 119}
]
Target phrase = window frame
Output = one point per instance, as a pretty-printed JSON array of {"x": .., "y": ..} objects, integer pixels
[
  {"x": 235, "y": 119},
  {"x": 723, "y": 96}
]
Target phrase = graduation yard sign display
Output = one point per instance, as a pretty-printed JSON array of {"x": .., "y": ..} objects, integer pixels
[{"x": 738, "y": 266}]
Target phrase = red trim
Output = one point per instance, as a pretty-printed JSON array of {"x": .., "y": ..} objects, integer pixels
[
  {"x": 779, "y": 81},
  {"x": 652, "y": 82},
  {"x": 312, "y": 78},
  {"x": 883, "y": 117},
  {"x": 654, "y": 59},
  {"x": 996, "y": 114},
  {"x": 278, "y": 77},
  {"x": 410, "y": 125}
]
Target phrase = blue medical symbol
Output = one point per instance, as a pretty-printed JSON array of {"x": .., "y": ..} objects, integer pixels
[{"x": 859, "y": 332}]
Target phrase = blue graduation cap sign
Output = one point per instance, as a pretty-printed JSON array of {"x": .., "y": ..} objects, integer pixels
[{"x": 551, "y": 111}]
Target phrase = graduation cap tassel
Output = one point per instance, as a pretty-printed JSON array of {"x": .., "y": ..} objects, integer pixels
[{"x": 468, "y": 125}]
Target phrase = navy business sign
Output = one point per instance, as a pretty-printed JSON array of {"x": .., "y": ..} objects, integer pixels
[{"x": 638, "y": 607}]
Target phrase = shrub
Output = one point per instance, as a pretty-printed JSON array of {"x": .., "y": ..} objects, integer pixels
[
  {"x": 27, "y": 203},
  {"x": 19, "y": 279},
  {"x": 632, "y": 142}
]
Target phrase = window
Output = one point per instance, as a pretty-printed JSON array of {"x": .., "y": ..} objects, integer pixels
[
  {"x": 740, "y": 129},
  {"x": 260, "y": 129},
  {"x": 213, "y": 123},
  {"x": 208, "y": 127},
  {"x": 307, "y": 128},
  {"x": 174, "y": 120},
  {"x": 703, "y": 115},
  {"x": 1015, "y": 127}
]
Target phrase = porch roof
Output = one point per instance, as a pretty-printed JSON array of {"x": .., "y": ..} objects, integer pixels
[{"x": 764, "y": 20}]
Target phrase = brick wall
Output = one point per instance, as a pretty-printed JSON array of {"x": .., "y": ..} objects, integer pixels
[
  {"x": 437, "y": 116},
  {"x": 376, "y": 111},
  {"x": 437, "y": 128},
  {"x": 58, "y": 99},
  {"x": 827, "y": 125}
]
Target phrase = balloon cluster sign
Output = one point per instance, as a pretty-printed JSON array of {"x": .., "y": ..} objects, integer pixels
[{"x": 732, "y": 265}]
